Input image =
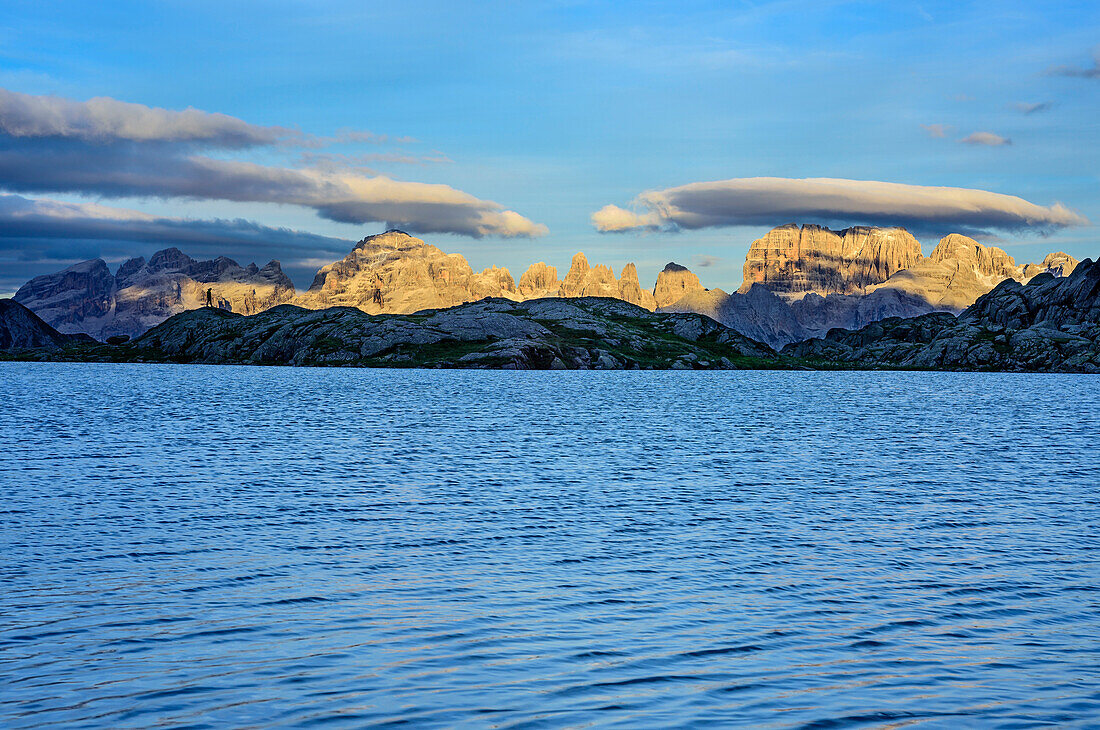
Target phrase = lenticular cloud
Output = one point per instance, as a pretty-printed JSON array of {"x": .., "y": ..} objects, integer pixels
[{"x": 773, "y": 200}]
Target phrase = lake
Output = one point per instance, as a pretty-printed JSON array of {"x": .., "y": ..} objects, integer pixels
[{"x": 204, "y": 546}]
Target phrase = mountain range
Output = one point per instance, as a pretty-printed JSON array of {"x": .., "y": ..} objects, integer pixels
[
  {"x": 800, "y": 282},
  {"x": 1051, "y": 324}
]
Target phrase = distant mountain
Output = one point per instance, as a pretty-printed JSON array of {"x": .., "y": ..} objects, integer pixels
[
  {"x": 22, "y": 329},
  {"x": 1050, "y": 324},
  {"x": 87, "y": 298},
  {"x": 802, "y": 282}
]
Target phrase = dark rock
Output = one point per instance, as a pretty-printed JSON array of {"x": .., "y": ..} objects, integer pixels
[{"x": 22, "y": 329}]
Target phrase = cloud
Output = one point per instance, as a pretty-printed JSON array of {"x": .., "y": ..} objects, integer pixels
[
  {"x": 986, "y": 139},
  {"x": 937, "y": 130},
  {"x": 41, "y": 220},
  {"x": 705, "y": 261},
  {"x": 109, "y": 148},
  {"x": 1079, "y": 71},
  {"x": 1025, "y": 108},
  {"x": 104, "y": 120},
  {"x": 769, "y": 201}
]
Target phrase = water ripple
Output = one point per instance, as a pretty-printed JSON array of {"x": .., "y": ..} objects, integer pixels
[{"x": 199, "y": 547}]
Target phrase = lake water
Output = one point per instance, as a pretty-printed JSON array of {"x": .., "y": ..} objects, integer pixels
[{"x": 197, "y": 546}]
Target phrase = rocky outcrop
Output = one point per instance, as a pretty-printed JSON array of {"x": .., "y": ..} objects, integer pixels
[
  {"x": 394, "y": 272},
  {"x": 674, "y": 282},
  {"x": 22, "y": 329},
  {"x": 87, "y": 298},
  {"x": 792, "y": 261},
  {"x": 556, "y": 333},
  {"x": 1050, "y": 324}
]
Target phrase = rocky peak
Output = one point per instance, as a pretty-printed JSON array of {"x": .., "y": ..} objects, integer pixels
[
  {"x": 964, "y": 251},
  {"x": 394, "y": 272},
  {"x": 169, "y": 259},
  {"x": 129, "y": 268},
  {"x": 538, "y": 281},
  {"x": 589, "y": 281},
  {"x": 1058, "y": 264},
  {"x": 674, "y": 282},
  {"x": 67, "y": 297},
  {"x": 630, "y": 289}
]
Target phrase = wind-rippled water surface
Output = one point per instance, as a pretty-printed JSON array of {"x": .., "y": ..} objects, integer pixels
[{"x": 190, "y": 546}]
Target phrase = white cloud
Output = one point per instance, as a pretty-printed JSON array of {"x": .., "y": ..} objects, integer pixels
[
  {"x": 986, "y": 139},
  {"x": 937, "y": 130},
  {"x": 773, "y": 201}
]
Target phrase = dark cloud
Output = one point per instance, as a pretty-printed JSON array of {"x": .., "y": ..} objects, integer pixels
[
  {"x": 109, "y": 148},
  {"x": 1083, "y": 72},
  {"x": 1033, "y": 108},
  {"x": 38, "y": 235},
  {"x": 770, "y": 201}
]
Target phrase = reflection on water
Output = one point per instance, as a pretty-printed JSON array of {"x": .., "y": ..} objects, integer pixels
[{"x": 206, "y": 547}]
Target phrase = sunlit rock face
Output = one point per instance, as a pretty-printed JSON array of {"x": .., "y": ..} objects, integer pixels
[
  {"x": 87, "y": 298},
  {"x": 589, "y": 281},
  {"x": 630, "y": 289},
  {"x": 1058, "y": 264},
  {"x": 960, "y": 270},
  {"x": 539, "y": 281},
  {"x": 674, "y": 282},
  {"x": 782, "y": 310},
  {"x": 396, "y": 273},
  {"x": 792, "y": 260},
  {"x": 584, "y": 280}
]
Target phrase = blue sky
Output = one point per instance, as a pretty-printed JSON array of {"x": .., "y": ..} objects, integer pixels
[{"x": 556, "y": 109}]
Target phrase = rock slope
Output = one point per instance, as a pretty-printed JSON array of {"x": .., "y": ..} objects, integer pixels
[
  {"x": 580, "y": 333},
  {"x": 22, "y": 329},
  {"x": 87, "y": 298},
  {"x": 1050, "y": 324}
]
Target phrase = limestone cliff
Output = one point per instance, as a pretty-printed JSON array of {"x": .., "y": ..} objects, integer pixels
[
  {"x": 792, "y": 261},
  {"x": 87, "y": 298}
]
